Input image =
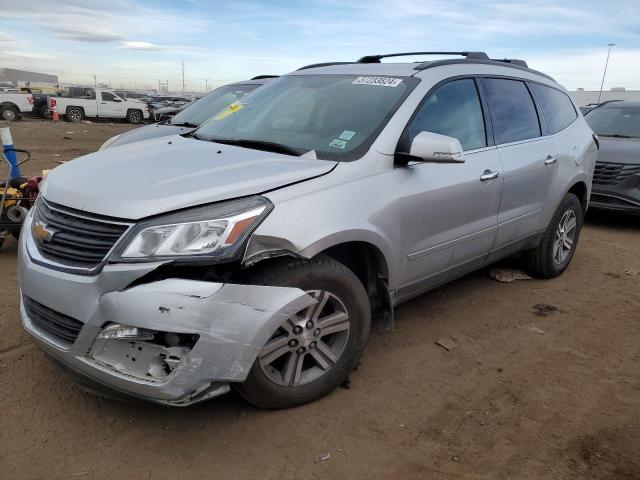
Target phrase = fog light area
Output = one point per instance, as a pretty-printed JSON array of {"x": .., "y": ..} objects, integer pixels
[{"x": 145, "y": 354}]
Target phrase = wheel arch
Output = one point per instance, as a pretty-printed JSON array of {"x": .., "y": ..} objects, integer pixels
[
  {"x": 362, "y": 252},
  {"x": 580, "y": 190},
  {"x": 81, "y": 108},
  {"x": 12, "y": 106}
]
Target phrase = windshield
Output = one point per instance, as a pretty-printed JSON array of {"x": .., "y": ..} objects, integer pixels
[
  {"x": 337, "y": 116},
  {"x": 202, "y": 110},
  {"x": 615, "y": 121}
]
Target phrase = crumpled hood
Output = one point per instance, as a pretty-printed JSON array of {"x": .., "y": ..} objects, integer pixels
[
  {"x": 619, "y": 150},
  {"x": 147, "y": 132},
  {"x": 165, "y": 174}
]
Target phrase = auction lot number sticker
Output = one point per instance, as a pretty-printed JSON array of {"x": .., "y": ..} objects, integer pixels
[{"x": 378, "y": 81}]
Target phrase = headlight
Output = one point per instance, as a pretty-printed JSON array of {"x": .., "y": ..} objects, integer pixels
[
  {"x": 109, "y": 142},
  {"x": 213, "y": 231}
]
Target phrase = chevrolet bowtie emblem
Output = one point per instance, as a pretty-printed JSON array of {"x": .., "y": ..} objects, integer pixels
[{"x": 41, "y": 233}]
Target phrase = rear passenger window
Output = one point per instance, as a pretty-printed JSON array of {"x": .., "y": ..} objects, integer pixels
[
  {"x": 556, "y": 107},
  {"x": 513, "y": 113},
  {"x": 453, "y": 110}
]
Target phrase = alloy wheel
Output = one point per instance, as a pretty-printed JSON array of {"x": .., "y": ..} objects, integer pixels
[
  {"x": 308, "y": 344},
  {"x": 9, "y": 114},
  {"x": 565, "y": 236},
  {"x": 75, "y": 115}
]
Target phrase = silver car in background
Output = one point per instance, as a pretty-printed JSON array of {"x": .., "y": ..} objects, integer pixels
[
  {"x": 192, "y": 115},
  {"x": 255, "y": 252}
]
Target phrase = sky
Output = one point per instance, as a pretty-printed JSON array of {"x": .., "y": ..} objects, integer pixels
[{"x": 135, "y": 43}]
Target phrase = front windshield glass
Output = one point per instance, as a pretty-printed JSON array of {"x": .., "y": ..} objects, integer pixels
[
  {"x": 615, "y": 121},
  {"x": 337, "y": 116},
  {"x": 202, "y": 110}
]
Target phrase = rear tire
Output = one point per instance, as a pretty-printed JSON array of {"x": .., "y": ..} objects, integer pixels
[
  {"x": 321, "y": 370},
  {"x": 8, "y": 113},
  {"x": 74, "y": 114},
  {"x": 134, "y": 116},
  {"x": 560, "y": 240}
]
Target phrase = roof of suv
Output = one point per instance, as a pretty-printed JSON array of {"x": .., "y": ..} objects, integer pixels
[{"x": 372, "y": 65}]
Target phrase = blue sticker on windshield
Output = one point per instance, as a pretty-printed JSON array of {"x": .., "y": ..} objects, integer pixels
[
  {"x": 347, "y": 135},
  {"x": 337, "y": 143}
]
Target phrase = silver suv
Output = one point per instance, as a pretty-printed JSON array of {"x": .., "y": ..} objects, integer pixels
[{"x": 254, "y": 252}]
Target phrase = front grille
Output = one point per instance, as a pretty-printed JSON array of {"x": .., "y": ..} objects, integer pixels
[
  {"x": 613, "y": 173},
  {"x": 61, "y": 327},
  {"x": 79, "y": 240}
]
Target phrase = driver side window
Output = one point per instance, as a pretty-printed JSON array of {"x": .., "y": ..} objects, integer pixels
[
  {"x": 108, "y": 97},
  {"x": 453, "y": 109}
]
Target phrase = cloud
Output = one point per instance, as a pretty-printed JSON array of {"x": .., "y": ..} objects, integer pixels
[
  {"x": 142, "y": 46},
  {"x": 86, "y": 35},
  {"x": 5, "y": 38}
]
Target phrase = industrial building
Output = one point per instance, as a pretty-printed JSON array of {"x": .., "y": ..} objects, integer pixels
[
  {"x": 585, "y": 97},
  {"x": 20, "y": 78}
]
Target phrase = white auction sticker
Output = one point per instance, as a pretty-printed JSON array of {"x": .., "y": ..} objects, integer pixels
[{"x": 378, "y": 81}]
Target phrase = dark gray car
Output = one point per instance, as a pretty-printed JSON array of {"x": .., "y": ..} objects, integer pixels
[{"x": 616, "y": 181}]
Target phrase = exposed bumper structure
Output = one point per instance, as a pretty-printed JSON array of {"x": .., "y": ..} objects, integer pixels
[
  {"x": 225, "y": 324},
  {"x": 616, "y": 200}
]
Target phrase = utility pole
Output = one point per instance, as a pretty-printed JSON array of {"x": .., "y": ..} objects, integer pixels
[
  {"x": 183, "y": 75},
  {"x": 604, "y": 74},
  {"x": 206, "y": 84},
  {"x": 95, "y": 81}
]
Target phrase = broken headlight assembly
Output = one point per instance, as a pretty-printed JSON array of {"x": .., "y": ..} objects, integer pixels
[{"x": 215, "y": 231}]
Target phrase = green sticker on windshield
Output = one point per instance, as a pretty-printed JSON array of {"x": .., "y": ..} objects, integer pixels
[{"x": 337, "y": 143}]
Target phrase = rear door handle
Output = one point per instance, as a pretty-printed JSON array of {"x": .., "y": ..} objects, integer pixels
[
  {"x": 550, "y": 160},
  {"x": 488, "y": 175}
]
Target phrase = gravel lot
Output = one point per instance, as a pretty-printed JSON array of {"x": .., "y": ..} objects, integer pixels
[{"x": 522, "y": 396}]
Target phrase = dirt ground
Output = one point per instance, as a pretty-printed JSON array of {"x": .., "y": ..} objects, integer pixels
[{"x": 522, "y": 396}]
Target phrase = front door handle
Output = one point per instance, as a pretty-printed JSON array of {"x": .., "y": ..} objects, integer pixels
[
  {"x": 550, "y": 160},
  {"x": 488, "y": 175}
]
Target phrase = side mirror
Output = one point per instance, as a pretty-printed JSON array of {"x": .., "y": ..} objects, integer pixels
[
  {"x": 433, "y": 147},
  {"x": 116, "y": 99}
]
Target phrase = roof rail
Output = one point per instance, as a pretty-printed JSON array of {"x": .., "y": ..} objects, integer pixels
[
  {"x": 262, "y": 77},
  {"x": 512, "y": 61},
  {"x": 468, "y": 55},
  {"x": 458, "y": 61},
  {"x": 325, "y": 64}
]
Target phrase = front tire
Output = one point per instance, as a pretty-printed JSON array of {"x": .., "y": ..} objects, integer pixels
[
  {"x": 314, "y": 351},
  {"x": 560, "y": 240},
  {"x": 134, "y": 116}
]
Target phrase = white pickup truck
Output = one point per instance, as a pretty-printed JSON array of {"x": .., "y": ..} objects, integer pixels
[
  {"x": 13, "y": 104},
  {"x": 100, "y": 103}
]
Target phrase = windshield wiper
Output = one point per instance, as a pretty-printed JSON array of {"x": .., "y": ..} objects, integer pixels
[
  {"x": 185, "y": 124},
  {"x": 259, "y": 145},
  {"x": 616, "y": 135}
]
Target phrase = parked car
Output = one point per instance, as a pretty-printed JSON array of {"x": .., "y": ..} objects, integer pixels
[
  {"x": 13, "y": 104},
  {"x": 616, "y": 181},
  {"x": 254, "y": 252},
  {"x": 102, "y": 104},
  {"x": 192, "y": 116}
]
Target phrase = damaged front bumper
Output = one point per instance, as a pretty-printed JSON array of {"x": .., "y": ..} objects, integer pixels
[{"x": 173, "y": 341}]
